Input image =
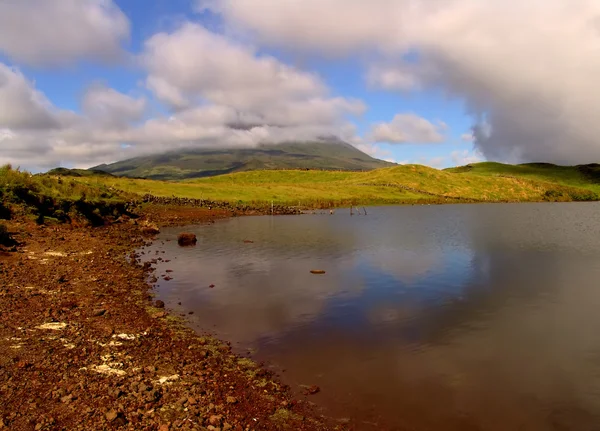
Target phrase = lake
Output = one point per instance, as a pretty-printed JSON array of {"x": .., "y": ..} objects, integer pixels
[{"x": 454, "y": 317}]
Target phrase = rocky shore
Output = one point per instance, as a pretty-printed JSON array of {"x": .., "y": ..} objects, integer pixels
[{"x": 83, "y": 346}]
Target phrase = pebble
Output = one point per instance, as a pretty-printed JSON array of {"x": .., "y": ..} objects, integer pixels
[{"x": 111, "y": 415}]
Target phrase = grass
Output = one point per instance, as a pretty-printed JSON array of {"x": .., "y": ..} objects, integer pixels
[
  {"x": 395, "y": 185},
  {"x": 96, "y": 196},
  {"x": 46, "y": 196},
  {"x": 583, "y": 176}
]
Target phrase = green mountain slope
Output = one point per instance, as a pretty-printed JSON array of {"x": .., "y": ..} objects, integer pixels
[
  {"x": 315, "y": 188},
  {"x": 200, "y": 163},
  {"x": 584, "y": 176}
]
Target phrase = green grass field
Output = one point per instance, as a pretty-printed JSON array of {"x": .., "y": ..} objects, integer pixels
[{"x": 484, "y": 182}]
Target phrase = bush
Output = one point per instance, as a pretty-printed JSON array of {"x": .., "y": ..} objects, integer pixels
[{"x": 5, "y": 238}]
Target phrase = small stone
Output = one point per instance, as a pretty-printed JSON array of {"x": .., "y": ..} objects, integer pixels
[
  {"x": 164, "y": 427},
  {"x": 111, "y": 415},
  {"x": 215, "y": 419},
  {"x": 160, "y": 315},
  {"x": 186, "y": 238},
  {"x": 313, "y": 389},
  {"x": 159, "y": 304},
  {"x": 192, "y": 401},
  {"x": 99, "y": 312},
  {"x": 231, "y": 400}
]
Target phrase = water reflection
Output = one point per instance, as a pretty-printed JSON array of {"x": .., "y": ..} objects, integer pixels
[{"x": 451, "y": 317}]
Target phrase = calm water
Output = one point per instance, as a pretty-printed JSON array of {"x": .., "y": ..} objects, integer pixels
[{"x": 467, "y": 317}]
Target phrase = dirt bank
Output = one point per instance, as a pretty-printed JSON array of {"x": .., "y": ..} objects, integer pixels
[{"x": 83, "y": 346}]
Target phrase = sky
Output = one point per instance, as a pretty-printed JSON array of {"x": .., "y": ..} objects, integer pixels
[{"x": 434, "y": 82}]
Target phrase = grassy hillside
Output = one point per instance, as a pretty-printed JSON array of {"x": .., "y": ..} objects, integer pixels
[
  {"x": 210, "y": 162},
  {"x": 585, "y": 176},
  {"x": 399, "y": 184},
  {"x": 46, "y": 196}
]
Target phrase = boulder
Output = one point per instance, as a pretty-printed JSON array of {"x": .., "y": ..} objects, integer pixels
[{"x": 186, "y": 239}]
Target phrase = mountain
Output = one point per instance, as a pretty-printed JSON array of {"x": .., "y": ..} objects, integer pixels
[{"x": 197, "y": 163}]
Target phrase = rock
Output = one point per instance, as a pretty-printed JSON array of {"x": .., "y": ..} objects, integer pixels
[
  {"x": 192, "y": 401},
  {"x": 186, "y": 238},
  {"x": 231, "y": 400},
  {"x": 317, "y": 271},
  {"x": 164, "y": 427},
  {"x": 99, "y": 312},
  {"x": 150, "y": 229},
  {"x": 314, "y": 389},
  {"x": 211, "y": 286},
  {"x": 111, "y": 415},
  {"x": 159, "y": 304},
  {"x": 160, "y": 315},
  {"x": 215, "y": 419}
]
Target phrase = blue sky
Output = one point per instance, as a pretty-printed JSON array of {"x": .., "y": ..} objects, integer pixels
[{"x": 84, "y": 82}]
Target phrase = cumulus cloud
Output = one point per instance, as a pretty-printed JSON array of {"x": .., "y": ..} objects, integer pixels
[
  {"x": 526, "y": 70},
  {"x": 219, "y": 93},
  {"x": 21, "y": 105},
  {"x": 53, "y": 32},
  {"x": 408, "y": 128},
  {"x": 110, "y": 108},
  {"x": 192, "y": 65}
]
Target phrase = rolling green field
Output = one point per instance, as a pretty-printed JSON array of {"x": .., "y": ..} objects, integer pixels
[{"x": 484, "y": 182}]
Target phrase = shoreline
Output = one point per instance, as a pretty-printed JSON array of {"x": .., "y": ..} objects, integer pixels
[{"x": 83, "y": 346}]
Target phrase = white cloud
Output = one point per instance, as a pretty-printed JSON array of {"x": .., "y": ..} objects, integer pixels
[
  {"x": 222, "y": 93},
  {"x": 193, "y": 64},
  {"x": 390, "y": 78},
  {"x": 467, "y": 137},
  {"x": 333, "y": 26},
  {"x": 109, "y": 108},
  {"x": 408, "y": 128},
  {"x": 21, "y": 105},
  {"x": 465, "y": 157},
  {"x": 53, "y": 32},
  {"x": 528, "y": 68}
]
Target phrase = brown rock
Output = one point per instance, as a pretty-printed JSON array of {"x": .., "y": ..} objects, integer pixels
[
  {"x": 215, "y": 419},
  {"x": 314, "y": 389},
  {"x": 186, "y": 238},
  {"x": 111, "y": 415},
  {"x": 159, "y": 304},
  {"x": 99, "y": 312},
  {"x": 231, "y": 400}
]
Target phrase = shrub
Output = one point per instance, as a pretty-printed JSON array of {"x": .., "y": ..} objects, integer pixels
[{"x": 5, "y": 238}]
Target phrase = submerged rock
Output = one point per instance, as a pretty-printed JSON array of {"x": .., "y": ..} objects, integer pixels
[{"x": 186, "y": 238}]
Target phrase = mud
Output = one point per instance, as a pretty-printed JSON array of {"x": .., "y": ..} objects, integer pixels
[{"x": 83, "y": 346}]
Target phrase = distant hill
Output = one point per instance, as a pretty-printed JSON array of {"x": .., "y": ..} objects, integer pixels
[
  {"x": 198, "y": 163},
  {"x": 587, "y": 176},
  {"x": 66, "y": 172}
]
